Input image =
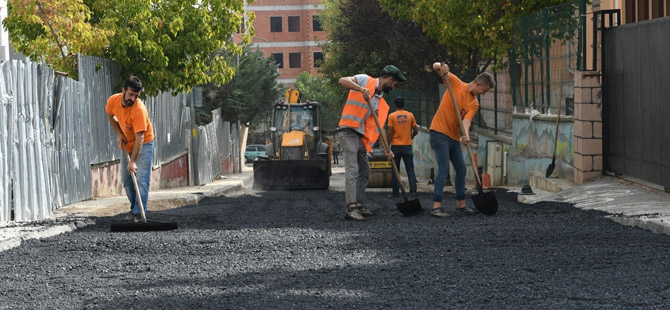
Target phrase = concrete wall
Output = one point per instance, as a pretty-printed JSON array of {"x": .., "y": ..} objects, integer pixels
[
  {"x": 533, "y": 145},
  {"x": 107, "y": 177}
]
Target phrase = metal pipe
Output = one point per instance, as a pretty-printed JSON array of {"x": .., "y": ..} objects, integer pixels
[{"x": 504, "y": 180}]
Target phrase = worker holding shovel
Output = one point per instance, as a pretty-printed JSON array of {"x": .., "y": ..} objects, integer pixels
[
  {"x": 445, "y": 133},
  {"x": 357, "y": 132},
  {"x": 135, "y": 135}
]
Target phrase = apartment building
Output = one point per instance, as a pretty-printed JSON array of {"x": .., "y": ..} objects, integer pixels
[{"x": 289, "y": 31}]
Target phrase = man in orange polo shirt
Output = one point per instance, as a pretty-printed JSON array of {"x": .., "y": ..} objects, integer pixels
[
  {"x": 445, "y": 134},
  {"x": 135, "y": 135},
  {"x": 401, "y": 130}
]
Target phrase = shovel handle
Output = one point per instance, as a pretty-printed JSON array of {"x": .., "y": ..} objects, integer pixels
[
  {"x": 460, "y": 123},
  {"x": 387, "y": 148},
  {"x": 137, "y": 188}
]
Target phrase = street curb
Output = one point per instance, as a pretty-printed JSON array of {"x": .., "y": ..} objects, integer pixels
[
  {"x": 27, "y": 233},
  {"x": 13, "y": 236},
  {"x": 655, "y": 225}
]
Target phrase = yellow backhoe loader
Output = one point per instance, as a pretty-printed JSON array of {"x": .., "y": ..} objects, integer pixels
[{"x": 297, "y": 156}]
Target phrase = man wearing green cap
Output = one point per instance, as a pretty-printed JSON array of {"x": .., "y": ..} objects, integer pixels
[{"x": 357, "y": 132}]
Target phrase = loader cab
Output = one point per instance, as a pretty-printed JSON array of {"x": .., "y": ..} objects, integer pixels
[
  {"x": 296, "y": 155},
  {"x": 295, "y": 131}
]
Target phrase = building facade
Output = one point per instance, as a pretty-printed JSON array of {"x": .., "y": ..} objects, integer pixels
[{"x": 290, "y": 32}]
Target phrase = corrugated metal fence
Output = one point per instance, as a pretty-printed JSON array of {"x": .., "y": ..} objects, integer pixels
[
  {"x": 52, "y": 129},
  {"x": 71, "y": 169},
  {"x": 25, "y": 89}
]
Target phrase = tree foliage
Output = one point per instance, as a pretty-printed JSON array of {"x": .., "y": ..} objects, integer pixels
[
  {"x": 54, "y": 31},
  {"x": 249, "y": 95},
  {"x": 364, "y": 39},
  {"x": 472, "y": 31},
  {"x": 322, "y": 90},
  {"x": 166, "y": 43}
]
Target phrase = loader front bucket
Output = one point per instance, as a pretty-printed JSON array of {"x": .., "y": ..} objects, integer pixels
[{"x": 291, "y": 174}]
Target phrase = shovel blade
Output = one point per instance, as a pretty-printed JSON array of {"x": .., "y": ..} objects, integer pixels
[
  {"x": 486, "y": 203},
  {"x": 409, "y": 207},
  {"x": 550, "y": 170}
]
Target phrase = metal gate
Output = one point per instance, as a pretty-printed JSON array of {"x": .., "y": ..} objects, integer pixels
[{"x": 636, "y": 109}]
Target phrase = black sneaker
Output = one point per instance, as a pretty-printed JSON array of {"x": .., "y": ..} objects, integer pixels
[
  {"x": 365, "y": 212},
  {"x": 413, "y": 194},
  {"x": 354, "y": 214},
  {"x": 129, "y": 217},
  {"x": 464, "y": 211},
  {"x": 438, "y": 212}
]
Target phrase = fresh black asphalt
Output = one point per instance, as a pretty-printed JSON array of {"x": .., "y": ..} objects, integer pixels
[{"x": 294, "y": 250}]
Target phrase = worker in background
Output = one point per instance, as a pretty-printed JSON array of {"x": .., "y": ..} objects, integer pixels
[{"x": 401, "y": 130}]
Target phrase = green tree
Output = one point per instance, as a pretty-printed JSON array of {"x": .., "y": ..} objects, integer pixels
[
  {"x": 54, "y": 31},
  {"x": 166, "y": 43},
  {"x": 249, "y": 95},
  {"x": 322, "y": 90},
  {"x": 364, "y": 39},
  {"x": 473, "y": 31}
]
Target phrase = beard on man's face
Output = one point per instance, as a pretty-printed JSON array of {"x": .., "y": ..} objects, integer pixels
[{"x": 126, "y": 101}]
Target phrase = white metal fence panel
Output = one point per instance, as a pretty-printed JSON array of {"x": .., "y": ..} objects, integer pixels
[
  {"x": 71, "y": 168},
  {"x": 5, "y": 178},
  {"x": 29, "y": 165}
]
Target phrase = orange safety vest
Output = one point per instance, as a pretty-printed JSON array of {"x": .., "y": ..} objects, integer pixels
[{"x": 355, "y": 109}]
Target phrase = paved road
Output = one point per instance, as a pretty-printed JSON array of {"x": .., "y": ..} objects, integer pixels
[{"x": 294, "y": 250}]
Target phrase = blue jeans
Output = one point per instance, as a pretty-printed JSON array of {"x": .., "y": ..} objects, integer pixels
[
  {"x": 447, "y": 149},
  {"x": 405, "y": 153},
  {"x": 356, "y": 165},
  {"x": 143, "y": 176}
]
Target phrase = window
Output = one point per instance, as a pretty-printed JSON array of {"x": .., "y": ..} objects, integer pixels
[
  {"x": 275, "y": 24},
  {"x": 630, "y": 11},
  {"x": 279, "y": 59},
  {"x": 642, "y": 10},
  {"x": 294, "y": 60},
  {"x": 657, "y": 8},
  {"x": 294, "y": 24},
  {"x": 316, "y": 23},
  {"x": 318, "y": 59}
]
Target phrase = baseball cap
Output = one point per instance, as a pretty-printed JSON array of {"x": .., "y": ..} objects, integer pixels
[{"x": 393, "y": 70}]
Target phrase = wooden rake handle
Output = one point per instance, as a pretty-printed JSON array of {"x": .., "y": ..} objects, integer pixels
[{"x": 137, "y": 188}]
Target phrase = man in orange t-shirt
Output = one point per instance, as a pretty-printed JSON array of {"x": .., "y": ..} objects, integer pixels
[
  {"x": 401, "y": 130},
  {"x": 445, "y": 135},
  {"x": 135, "y": 135}
]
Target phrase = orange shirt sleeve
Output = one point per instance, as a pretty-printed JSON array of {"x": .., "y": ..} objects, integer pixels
[
  {"x": 139, "y": 120},
  {"x": 391, "y": 120},
  {"x": 471, "y": 108}
]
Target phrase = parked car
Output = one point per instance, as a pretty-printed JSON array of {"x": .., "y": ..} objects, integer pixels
[{"x": 252, "y": 151}]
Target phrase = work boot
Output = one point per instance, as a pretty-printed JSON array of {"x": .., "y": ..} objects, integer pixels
[
  {"x": 413, "y": 194},
  {"x": 438, "y": 212},
  {"x": 354, "y": 213},
  {"x": 464, "y": 211}
]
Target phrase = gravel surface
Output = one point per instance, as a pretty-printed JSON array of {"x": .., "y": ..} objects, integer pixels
[{"x": 294, "y": 250}]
